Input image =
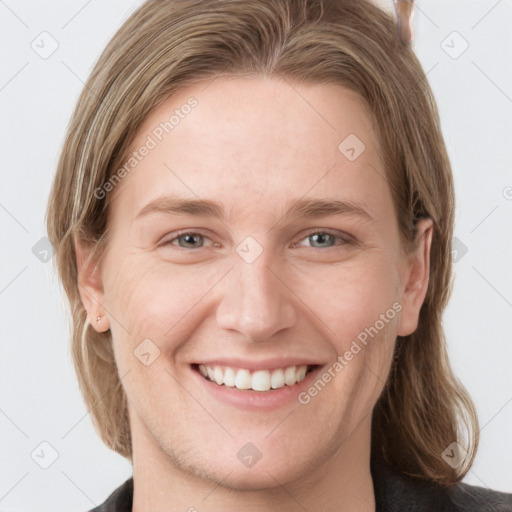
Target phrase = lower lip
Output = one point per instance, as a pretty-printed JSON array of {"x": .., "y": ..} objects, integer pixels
[{"x": 258, "y": 400}]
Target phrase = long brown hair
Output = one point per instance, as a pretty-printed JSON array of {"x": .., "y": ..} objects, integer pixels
[{"x": 166, "y": 45}]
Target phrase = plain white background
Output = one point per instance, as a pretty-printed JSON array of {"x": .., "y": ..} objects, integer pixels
[{"x": 466, "y": 48}]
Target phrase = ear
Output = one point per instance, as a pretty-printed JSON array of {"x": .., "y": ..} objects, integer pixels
[
  {"x": 90, "y": 286},
  {"x": 415, "y": 278}
]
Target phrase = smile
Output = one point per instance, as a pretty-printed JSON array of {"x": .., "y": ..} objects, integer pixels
[{"x": 259, "y": 380}]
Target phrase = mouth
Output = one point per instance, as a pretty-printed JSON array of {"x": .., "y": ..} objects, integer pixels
[{"x": 254, "y": 380}]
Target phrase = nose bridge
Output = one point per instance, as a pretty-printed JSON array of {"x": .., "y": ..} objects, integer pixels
[{"x": 255, "y": 301}]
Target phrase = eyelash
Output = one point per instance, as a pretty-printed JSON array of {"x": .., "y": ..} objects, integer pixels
[{"x": 344, "y": 240}]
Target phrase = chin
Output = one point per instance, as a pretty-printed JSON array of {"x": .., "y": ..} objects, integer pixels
[
  {"x": 226, "y": 470},
  {"x": 255, "y": 479}
]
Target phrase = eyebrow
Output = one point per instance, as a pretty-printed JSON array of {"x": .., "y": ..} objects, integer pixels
[{"x": 304, "y": 208}]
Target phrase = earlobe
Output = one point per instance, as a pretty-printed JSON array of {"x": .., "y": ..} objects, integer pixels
[
  {"x": 416, "y": 279},
  {"x": 90, "y": 286}
]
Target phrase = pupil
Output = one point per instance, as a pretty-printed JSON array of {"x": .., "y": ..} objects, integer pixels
[
  {"x": 321, "y": 237},
  {"x": 189, "y": 239}
]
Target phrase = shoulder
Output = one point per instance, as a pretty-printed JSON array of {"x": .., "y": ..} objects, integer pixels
[
  {"x": 119, "y": 501},
  {"x": 475, "y": 498},
  {"x": 395, "y": 492}
]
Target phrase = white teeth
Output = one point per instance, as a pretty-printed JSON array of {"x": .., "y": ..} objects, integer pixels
[
  {"x": 289, "y": 376},
  {"x": 277, "y": 379},
  {"x": 260, "y": 380},
  {"x": 229, "y": 377},
  {"x": 300, "y": 373},
  {"x": 218, "y": 375},
  {"x": 243, "y": 379}
]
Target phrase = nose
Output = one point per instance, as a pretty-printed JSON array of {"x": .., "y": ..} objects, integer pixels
[{"x": 256, "y": 301}]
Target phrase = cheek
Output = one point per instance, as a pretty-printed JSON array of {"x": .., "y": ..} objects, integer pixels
[
  {"x": 155, "y": 299},
  {"x": 362, "y": 314},
  {"x": 359, "y": 312},
  {"x": 351, "y": 297},
  {"x": 164, "y": 302}
]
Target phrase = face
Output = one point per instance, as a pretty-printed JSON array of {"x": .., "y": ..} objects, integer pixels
[{"x": 256, "y": 234}]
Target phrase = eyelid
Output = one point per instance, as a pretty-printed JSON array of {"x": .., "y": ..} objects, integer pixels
[
  {"x": 345, "y": 238},
  {"x": 178, "y": 234}
]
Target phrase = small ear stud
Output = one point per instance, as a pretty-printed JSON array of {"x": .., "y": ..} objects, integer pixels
[{"x": 98, "y": 319}]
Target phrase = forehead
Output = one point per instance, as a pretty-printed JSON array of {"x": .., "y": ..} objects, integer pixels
[{"x": 255, "y": 143}]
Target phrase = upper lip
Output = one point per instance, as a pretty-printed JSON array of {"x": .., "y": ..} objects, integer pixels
[{"x": 266, "y": 364}]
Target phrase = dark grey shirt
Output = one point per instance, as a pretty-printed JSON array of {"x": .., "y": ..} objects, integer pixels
[{"x": 394, "y": 492}]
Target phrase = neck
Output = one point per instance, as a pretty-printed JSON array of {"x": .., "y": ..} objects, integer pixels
[{"x": 163, "y": 482}]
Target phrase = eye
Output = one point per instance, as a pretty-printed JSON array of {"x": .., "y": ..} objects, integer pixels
[
  {"x": 187, "y": 240},
  {"x": 317, "y": 239},
  {"x": 326, "y": 239}
]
